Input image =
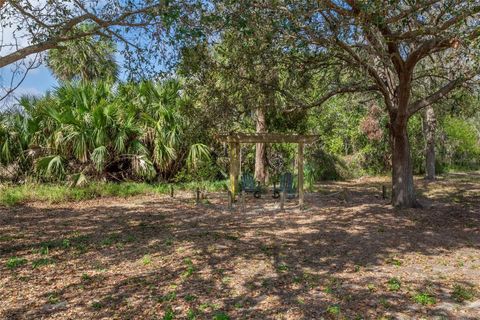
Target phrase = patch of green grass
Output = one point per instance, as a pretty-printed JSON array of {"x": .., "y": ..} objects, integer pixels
[
  {"x": 44, "y": 250},
  {"x": 66, "y": 243},
  {"x": 204, "y": 306},
  {"x": 207, "y": 305},
  {"x": 86, "y": 278},
  {"x": 42, "y": 262},
  {"x": 55, "y": 193},
  {"x": 462, "y": 293},
  {"x": 395, "y": 262},
  {"x": 110, "y": 240},
  {"x": 190, "y": 268},
  {"x": 424, "y": 298},
  {"x": 53, "y": 298},
  {"x": 384, "y": 302},
  {"x": 15, "y": 262},
  {"x": 46, "y": 246},
  {"x": 147, "y": 259},
  {"x": 169, "y": 314},
  {"x": 371, "y": 287},
  {"x": 393, "y": 284},
  {"x": 267, "y": 250},
  {"x": 226, "y": 280},
  {"x": 283, "y": 267},
  {"x": 221, "y": 316},
  {"x": 191, "y": 314},
  {"x": 6, "y": 238},
  {"x": 297, "y": 279},
  {"x": 310, "y": 279},
  {"x": 328, "y": 289},
  {"x": 80, "y": 243},
  {"x": 190, "y": 298},
  {"x": 265, "y": 283},
  {"x": 130, "y": 239},
  {"x": 334, "y": 310},
  {"x": 97, "y": 305},
  {"x": 169, "y": 297},
  {"x": 10, "y": 197}
]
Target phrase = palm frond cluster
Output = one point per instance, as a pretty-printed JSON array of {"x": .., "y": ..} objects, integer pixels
[{"x": 112, "y": 131}]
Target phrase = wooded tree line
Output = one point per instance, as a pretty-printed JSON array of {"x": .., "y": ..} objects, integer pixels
[{"x": 405, "y": 72}]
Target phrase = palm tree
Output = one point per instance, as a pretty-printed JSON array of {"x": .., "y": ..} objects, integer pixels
[{"x": 90, "y": 58}]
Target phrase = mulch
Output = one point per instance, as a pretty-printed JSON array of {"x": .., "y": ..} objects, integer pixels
[{"x": 156, "y": 257}]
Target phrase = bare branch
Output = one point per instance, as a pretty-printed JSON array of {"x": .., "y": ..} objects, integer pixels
[
  {"x": 32, "y": 65},
  {"x": 434, "y": 97}
]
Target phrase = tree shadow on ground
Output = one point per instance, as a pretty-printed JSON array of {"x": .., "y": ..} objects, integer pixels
[{"x": 146, "y": 258}]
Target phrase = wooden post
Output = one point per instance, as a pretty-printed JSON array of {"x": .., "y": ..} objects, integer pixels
[
  {"x": 230, "y": 201},
  {"x": 197, "y": 201},
  {"x": 282, "y": 200},
  {"x": 237, "y": 166},
  {"x": 384, "y": 192},
  {"x": 231, "y": 156},
  {"x": 239, "y": 161},
  {"x": 300, "y": 175},
  {"x": 171, "y": 191},
  {"x": 234, "y": 168},
  {"x": 242, "y": 200}
]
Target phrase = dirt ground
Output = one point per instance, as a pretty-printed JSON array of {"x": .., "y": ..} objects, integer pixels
[{"x": 348, "y": 255}]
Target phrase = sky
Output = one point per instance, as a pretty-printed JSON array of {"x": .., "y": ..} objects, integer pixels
[{"x": 37, "y": 81}]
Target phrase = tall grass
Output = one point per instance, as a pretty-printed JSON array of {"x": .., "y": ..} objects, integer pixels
[{"x": 11, "y": 195}]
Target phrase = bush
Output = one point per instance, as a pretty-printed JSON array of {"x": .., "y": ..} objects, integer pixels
[
  {"x": 461, "y": 147},
  {"x": 323, "y": 166}
]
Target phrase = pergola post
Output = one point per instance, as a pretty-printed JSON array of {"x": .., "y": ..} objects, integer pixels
[
  {"x": 300, "y": 175},
  {"x": 234, "y": 167}
]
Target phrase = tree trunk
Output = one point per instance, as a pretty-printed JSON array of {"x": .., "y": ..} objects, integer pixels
[
  {"x": 403, "y": 191},
  {"x": 429, "y": 127},
  {"x": 260, "y": 150}
]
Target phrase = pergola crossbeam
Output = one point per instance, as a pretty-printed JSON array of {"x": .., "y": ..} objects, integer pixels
[{"x": 266, "y": 138}]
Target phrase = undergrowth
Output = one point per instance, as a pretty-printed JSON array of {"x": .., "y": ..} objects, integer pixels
[{"x": 11, "y": 195}]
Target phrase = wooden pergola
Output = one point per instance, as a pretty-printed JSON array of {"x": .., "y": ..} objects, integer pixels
[{"x": 235, "y": 139}]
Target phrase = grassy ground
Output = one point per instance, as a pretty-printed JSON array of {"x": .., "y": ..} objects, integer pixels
[
  {"x": 54, "y": 193},
  {"x": 349, "y": 255}
]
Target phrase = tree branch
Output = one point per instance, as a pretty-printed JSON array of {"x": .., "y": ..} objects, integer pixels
[
  {"x": 331, "y": 94},
  {"x": 13, "y": 87},
  {"x": 434, "y": 97},
  {"x": 39, "y": 47}
]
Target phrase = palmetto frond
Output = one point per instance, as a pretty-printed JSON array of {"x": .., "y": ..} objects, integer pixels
[
  {"x": 142, "y": 166},
  {"x": 99, "y": 157},
  {"x": 198, "y": 153},
  {"x": 50, "y": 166}
]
